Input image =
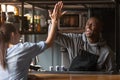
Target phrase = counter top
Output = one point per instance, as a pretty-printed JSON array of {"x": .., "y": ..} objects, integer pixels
[
  {"x": 71, "y": 75},
  {"x": 70, "y": 72}
]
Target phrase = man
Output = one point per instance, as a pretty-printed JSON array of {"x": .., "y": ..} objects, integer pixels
[{"x": 91, "y": 40}]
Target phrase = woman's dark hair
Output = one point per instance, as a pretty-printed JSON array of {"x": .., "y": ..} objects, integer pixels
[{"x": 5, "y": 36}]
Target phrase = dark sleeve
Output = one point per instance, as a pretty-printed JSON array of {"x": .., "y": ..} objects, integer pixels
[
  {"x": 110, "y": 63},
  {"x": 64, "y": 39}
]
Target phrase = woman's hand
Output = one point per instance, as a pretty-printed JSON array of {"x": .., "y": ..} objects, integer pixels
[{"x": 57, "y": 13}]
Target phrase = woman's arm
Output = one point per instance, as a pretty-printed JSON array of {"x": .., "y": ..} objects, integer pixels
[{"x": 55, "y": 15}]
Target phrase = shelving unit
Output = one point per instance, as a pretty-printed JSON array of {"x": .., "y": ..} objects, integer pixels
[{"x": 34, "y": 11}]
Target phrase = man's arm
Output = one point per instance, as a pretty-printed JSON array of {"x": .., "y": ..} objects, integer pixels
[{"x": 110, "y": 63}]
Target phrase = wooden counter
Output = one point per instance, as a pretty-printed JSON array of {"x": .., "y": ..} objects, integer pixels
[{"x": 64, "y": 76}]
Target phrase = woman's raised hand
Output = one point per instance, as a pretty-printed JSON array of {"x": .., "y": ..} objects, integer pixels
[{"x": 57, "y": 11}]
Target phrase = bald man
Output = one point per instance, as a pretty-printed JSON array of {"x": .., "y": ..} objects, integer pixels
[{"x": 91, "y": 40}]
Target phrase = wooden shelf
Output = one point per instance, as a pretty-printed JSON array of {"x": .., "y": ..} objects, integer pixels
[
  {"x": 31, "y": 32},
  {"x": 71, "y": 30}
]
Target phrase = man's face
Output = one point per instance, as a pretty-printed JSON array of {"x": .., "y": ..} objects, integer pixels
[{"x": 92, "y": 28}]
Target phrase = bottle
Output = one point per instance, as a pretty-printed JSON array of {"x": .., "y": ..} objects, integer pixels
[
  {"x": 0, "y": 15},
  {"x": 3, "y": 17},
  {"x": 38, "y": 24},
  {"x": 16, "y": 11},
  {"x": 57, "y": 68},
  {"x": 50, "y": 68}
]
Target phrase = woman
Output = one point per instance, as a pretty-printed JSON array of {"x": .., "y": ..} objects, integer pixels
[{"x": 15, "y": 57}]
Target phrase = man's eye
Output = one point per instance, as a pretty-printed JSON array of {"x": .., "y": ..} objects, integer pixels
[
  {"x": 94, "y": 25},
  {"x": 87, "y": 24}
]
